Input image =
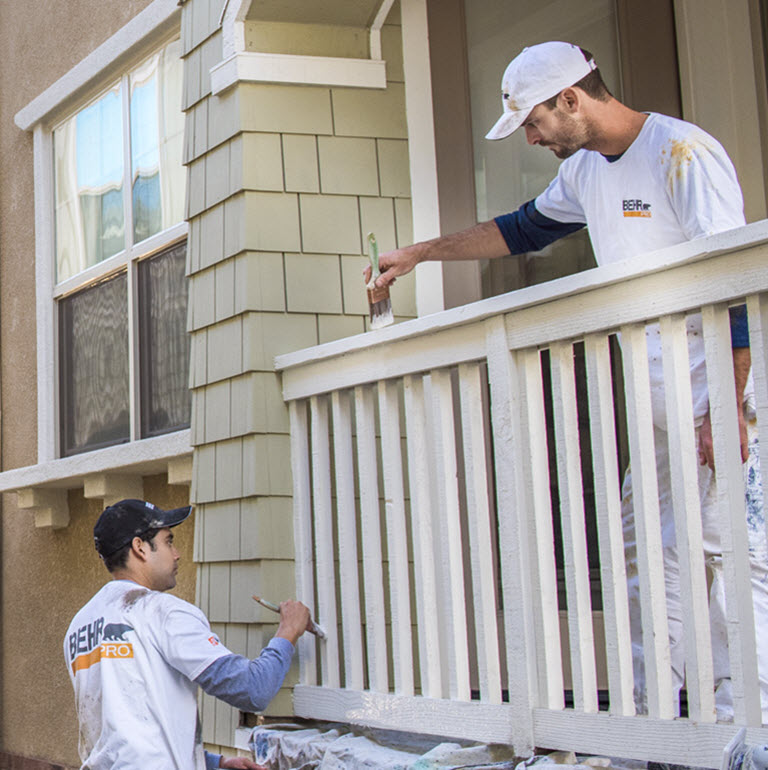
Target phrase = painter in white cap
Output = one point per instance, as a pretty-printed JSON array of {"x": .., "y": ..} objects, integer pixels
[
  {"x": 539, "y": 73},
  {"x": 638, "y": 181}
]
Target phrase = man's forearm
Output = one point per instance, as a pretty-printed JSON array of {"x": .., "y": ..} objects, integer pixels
[{"x": 483, "y": 241}]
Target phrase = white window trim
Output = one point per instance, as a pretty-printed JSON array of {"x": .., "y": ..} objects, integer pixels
[{"x": 156, "y": 24}]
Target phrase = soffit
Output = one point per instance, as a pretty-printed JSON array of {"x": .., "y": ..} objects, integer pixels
[{"x": 354, "y": 13}]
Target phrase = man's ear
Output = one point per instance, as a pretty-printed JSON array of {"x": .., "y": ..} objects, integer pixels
[
  {"x": 139, "y": 548},
  {"x": 569, "y": 100}
]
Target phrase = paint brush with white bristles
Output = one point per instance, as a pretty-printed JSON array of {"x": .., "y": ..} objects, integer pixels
[{"x": 379, "y": 303}]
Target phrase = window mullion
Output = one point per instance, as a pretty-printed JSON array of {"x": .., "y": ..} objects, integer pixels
[
  {"x": 133, "y": 350},
  {"x": 133, "y": 317}
]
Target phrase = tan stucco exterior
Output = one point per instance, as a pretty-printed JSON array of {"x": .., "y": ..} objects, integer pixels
[{"x": 45, "y": 575}]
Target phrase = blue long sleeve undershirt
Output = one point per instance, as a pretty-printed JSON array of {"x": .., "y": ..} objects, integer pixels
[
  {"x": 527, "y": 229},
  {"x": 248, "y": 685}
]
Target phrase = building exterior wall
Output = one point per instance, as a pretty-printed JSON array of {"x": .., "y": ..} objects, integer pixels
[
  {"x": 284, "y": 183},
  {"x": 45, "y": 575}
]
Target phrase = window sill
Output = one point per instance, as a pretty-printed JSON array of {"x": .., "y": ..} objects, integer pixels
[{"x": 110, "y": 474}]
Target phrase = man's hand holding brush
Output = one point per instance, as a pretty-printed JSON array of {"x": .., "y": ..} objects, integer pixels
[
  {"x": 294, "y": 621},
  {"x": 292, "y": 614}
]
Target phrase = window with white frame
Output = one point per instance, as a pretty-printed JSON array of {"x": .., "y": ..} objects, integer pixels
[{"x": 120, "y": 261}]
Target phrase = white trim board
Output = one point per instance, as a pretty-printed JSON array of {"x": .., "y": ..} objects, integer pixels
[
  {"x": 159, "y": 18},
  {"x": 253, "y": 67},
  {"x": 142, "y": 457}
]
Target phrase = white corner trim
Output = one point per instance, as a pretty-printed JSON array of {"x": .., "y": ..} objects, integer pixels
[
  {"x": 298, "y": 70},
  {"x": 232, "y": 23},
  {"x": 422, "y": 152},
  {"x": 156, "y": 19},
  {"x": 147, "y": 456},
  {"x": 378, "y": 23}
]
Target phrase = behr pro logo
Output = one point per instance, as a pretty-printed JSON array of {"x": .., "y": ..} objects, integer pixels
[
  {"x": 95, "y": 641},
  {"x": 634, "y": 207}
]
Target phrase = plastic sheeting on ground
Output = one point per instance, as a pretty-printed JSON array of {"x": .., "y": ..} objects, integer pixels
[
  {"x": 337, "y": 747},
  {"x": 340, "y": 747}
]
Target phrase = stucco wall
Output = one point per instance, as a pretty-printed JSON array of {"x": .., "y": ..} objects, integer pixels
[{"x": 46, "y": 575}]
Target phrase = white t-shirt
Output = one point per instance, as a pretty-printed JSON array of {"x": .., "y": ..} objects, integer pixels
[
  {"x": 673, "y": 184},
  {"x": 132, "y": 655}
]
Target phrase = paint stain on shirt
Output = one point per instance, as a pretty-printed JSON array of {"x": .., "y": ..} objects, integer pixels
[
  {"x": 681, "y": 154},
  {"x": 680, "y": 157},
  {"x": 131, "y": 597}
]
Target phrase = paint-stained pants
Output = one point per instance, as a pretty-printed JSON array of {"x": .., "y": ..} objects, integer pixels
[{"x": 758, "y": 559}]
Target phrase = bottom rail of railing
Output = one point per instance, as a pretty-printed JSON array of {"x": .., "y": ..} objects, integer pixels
[
  {"x": 469, "y": 720},
  {"x": 678, "y": 741}
]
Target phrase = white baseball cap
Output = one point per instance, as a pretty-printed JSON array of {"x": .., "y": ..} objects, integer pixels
[{"x": 536, "y": 74}]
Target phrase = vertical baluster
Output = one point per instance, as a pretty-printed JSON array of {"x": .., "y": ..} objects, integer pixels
[
  {"x": 347, "y": 529},
  {"x": 422, "y": 532},
  {"x": 733, "y": 528},
  {"x": 397, "y": 541},
  {"x": 324, "y": 549},
  {"x": 515, "y": 553},
  {"x": 479, "y": 525},
  {"x": 574, "y": 535},
  {"x": 757, "y": 309},
  {"x": 302, "y": 532},
  {"x": 613, "y": 576},
  {"x": 645, "y": 493},
  {"x": 370, "y": 524},
  {"x": 452, "y": 574},
  {"x": 538, "y": 512},
  {"x": 683, "y": 467}
]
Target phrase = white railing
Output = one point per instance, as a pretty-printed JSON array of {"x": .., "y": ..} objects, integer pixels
[{"x": 424, "y": 463}]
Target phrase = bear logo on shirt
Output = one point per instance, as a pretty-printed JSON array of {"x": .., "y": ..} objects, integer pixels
[{"x": 115, "y": 632}]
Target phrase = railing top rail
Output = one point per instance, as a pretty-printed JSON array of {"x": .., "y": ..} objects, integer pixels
[
  {"x": 638, "y": 290},
  {"x": 737, "y": 239}
]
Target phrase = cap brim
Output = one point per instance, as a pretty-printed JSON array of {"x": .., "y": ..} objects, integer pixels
[
  {"x": 507, "y": 124},
  {"x": 170, "y": 518}
]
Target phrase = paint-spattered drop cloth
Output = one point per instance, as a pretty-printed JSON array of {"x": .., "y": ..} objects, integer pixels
[
  {"x": 339, "y": 747},
  {"x": 288, "y": 747}
]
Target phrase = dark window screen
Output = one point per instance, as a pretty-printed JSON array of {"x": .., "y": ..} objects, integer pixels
[
  {"x": 164, "y": 345},
  {"x": 94, "y": 403}
]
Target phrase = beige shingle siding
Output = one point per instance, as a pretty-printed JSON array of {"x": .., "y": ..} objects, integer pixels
[{"x": 284, "y": 182}]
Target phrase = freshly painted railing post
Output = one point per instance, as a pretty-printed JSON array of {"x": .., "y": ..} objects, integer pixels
[
  {"x": 613, "y": 574},
  {"x": 730, "y": 500},
  {"x": 514, "y": 544},
  {"x": 571, "y": 494},
  {"x": 302, "y": 532},
  {"x": 687, "y": 511},
  {"x": 645, "y": 495}
]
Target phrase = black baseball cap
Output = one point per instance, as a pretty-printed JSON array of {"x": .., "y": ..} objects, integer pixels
[{"x": 121, "y": 522}]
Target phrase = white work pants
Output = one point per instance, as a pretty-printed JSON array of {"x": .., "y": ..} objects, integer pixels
[{"x": 758, "y": 557}]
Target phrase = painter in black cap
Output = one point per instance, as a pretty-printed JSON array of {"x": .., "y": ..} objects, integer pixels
[
  {"x": 137, "y": 655},
  {"x": 121, "y": 522}
]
